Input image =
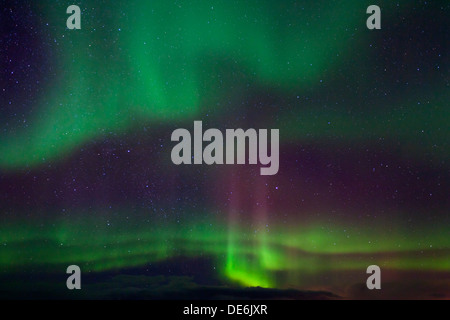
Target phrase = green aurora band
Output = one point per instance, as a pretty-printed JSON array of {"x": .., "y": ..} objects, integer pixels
[
  {"x": 248, "y": 257},
  {"x": 162, "y": 65}
]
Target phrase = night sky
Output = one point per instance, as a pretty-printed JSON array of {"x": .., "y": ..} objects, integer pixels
[{"x": 86, "y": 176}]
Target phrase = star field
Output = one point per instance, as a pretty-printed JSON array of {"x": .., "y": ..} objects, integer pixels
[{"x": 86, "y": 118}]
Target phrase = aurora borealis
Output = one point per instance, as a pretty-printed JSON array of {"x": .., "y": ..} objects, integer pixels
[{"x": 85, "y": 170}]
